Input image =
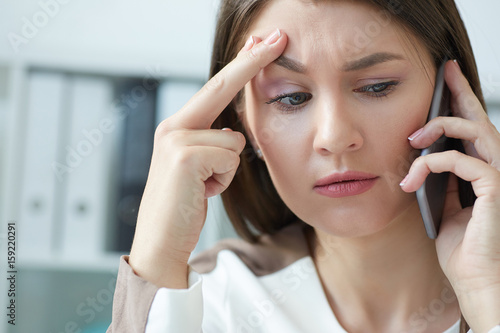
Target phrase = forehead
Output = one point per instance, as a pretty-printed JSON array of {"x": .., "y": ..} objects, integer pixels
[{"x": 336, "y": 30}]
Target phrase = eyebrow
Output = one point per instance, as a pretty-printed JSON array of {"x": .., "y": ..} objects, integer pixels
[
  {"x": 371, "y": 60},
  {"x": 355, "y": 65},
  {"x": 290, "y": 64}
]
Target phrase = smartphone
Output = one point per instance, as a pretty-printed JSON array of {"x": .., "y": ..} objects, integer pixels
[{"x": 431, "y": 194}]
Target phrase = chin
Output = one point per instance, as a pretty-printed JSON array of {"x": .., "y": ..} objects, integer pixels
[
  {"x": 364, "y": 220},
  {"x": 352, "y": 228}
]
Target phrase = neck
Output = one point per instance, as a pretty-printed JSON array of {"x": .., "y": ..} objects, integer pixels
[{"x": 389, "y": 281}]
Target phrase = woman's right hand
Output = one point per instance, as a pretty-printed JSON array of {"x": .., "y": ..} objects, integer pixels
[{"x": 190, "y": 163}]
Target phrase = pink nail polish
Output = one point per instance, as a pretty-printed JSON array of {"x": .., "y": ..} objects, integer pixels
[
  {"x": 414, "y": 135},
  {"x": 249, "y": 43},
  {"x": 403, "y": 182},
  {"x": 456, "y": 64},
  {"x": 273, "y": 38}
]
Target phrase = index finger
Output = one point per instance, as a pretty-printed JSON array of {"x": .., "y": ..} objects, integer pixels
[{"x": 206, "y": 105}]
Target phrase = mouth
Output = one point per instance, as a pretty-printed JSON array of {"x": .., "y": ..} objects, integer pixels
[{"x": 345, "y": 184}]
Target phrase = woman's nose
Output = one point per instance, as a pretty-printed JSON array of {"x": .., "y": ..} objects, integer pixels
[{"x": 337, "y": 129}]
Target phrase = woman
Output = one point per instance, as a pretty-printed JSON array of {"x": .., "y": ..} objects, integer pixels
[{"x": 334, "y": 104}]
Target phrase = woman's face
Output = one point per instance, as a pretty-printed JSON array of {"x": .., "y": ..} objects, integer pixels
[{"x": 343, "y": 97}]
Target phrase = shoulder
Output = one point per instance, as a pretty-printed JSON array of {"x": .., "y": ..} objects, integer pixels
[{"x": 270, "y": 254}]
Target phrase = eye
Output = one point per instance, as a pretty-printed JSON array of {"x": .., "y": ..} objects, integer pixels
[
  {"x": 380, "y": 89},
  {"x": 294, "y": 99},
  {"x": 290, "y": 102}
]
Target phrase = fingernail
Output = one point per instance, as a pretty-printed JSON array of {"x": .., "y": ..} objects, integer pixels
[
  {"x": 457, "y": 65},
  {"x": 403, "y": 182},
  {"x": 227, "y": 129},
  {"x": 249, "y": 43},
  {"x": 414, "y": 135},
  {"x": 272, "y": 38}
]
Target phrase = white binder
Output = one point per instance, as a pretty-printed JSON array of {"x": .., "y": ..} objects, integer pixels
[
  {"x": 91, "y": 149},
  {"x": 39, "y": 187}
]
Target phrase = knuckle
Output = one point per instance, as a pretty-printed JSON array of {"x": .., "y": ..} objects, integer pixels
[
  {"x": 251, "y": 55},
  {"x": 241, "y": 139},
  {"x": 456, "y": 124},
  {"x": 176, "y": 137},
  {"x": 166, "y": 138},
  {"x": 450, "y": 122},
  {"x": 437, "y": 126},
  {"x": 215, "y": 83},
  {"x": 163, "y": 129},
  {"x": 233, "y": 161},
  {"x": 186, "y": 158},
  {"x": 418, "y": 162},
  {"x": 466, "y": 99},
  {"x": 254, "y": 57},
  {"x": 485, "y": 127},
  {"x": 454, "y": 154}
]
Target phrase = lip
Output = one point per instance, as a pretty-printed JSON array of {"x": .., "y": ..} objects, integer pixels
[{"x": 345, "y": 184}]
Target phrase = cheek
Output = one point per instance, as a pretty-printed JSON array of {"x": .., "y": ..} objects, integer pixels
[
  {"x": 391, "y": 135},
  {"x": 407, "y": 114},
  {"x": 288, "y": 155},
  {"x": 273, "y": 132},
  {"x": 283, "y": 140}
]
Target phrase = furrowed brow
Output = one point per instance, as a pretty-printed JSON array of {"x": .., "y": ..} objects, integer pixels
[
  {"x": 355, "y": 65},
  {"x": 290, "y": 64},
  {"x": 371, "y": 60}
]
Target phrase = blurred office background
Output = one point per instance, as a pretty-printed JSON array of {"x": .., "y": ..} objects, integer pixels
[{"x": 83, "y": 85}]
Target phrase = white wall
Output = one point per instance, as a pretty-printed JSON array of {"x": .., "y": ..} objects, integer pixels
[
  {"x": 112, "y": 34},
  {"x": 174, "y": 36},
  {"x": 483, "y": 24}
]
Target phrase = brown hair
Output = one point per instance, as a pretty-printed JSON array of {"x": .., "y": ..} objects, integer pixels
[{"x": 251, "y": 201}]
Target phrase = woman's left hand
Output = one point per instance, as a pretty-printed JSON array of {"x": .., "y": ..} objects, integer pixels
[{"x": 468, "y": 245}]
